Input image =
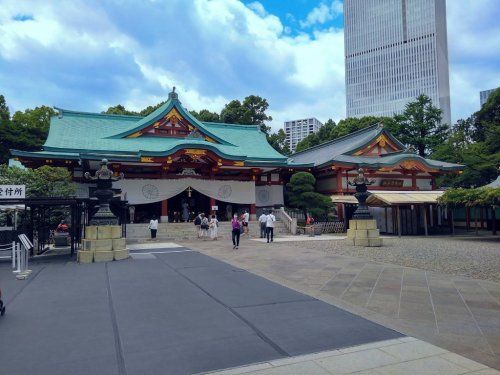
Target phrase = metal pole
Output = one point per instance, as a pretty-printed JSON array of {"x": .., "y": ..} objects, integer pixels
[
  {"x": 18, "y": 258},
  {"x": 13, "y": 255}
]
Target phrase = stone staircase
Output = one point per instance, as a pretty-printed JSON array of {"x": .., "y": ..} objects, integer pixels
[{"x": 187, "y": 231}]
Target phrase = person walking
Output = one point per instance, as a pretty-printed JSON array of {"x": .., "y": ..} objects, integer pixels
[
  {"x": 271, "y": 219},
  {"x": 204, "y": 226},
  {"x": 236, "y": 231},
  {"x": 245, "y": 218},
  {"x": 197, "y": 224},
  {"x": 262, "y": 224},
  {"x": 153, "y": 227},
  {"x": 214, "y": 227}
]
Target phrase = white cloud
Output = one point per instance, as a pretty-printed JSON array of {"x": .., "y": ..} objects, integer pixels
[{"x": 324, "y": 12}]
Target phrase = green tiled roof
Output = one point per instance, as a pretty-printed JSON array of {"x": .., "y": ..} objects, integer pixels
[{"x": 80, "y": 133}]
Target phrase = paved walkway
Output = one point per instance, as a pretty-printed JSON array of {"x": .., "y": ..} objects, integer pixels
[
  {"x": 392, "y": 357},
  {"x": 456, "y": 313},
  {"x": 166, "y": 311}
]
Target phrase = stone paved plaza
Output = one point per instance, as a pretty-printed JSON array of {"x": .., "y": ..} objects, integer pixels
[{"x": 458, "y": 313}]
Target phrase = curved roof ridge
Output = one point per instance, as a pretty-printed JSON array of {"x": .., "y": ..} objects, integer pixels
[
  {"x": 96, "y": 114},
  {"x": 339, "y": 139}
]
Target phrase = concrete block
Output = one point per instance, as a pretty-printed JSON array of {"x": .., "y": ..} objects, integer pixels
[
  {"x": 352, "y": 224},
  {"x": 371, "y": 224},
  {"x": 85, "y": 256},
  {"x": 91, "y": 233},
  {"x": 373, "y": 233},
  {"x": 361, "y": 224},
  {"x": 375, "y": 242},
  {"x": 351, "y": 233},
  {"x": 119, "y": 243},
  {"x": 350, "y": 241},
  {"x": 116, "y": 231},
  {"x": 103, "y": 256},
  {"x": 104, "y": 232},
  {"x": 361, "y": 233},
  {"x": 361, "y": 242},
  {"x": 120, "y": 254},
  {"x": 97, "y": 245}
]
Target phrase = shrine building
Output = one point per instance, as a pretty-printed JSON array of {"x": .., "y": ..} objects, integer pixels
[{"x": 174, "y": 165}]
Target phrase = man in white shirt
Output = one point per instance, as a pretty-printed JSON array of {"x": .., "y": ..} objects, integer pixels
[
  {"x": 153, "y": 227},
  {"x": 262, "y": 223},
  {"x": 245, "y": 220},
  {"x": 270, "y": 226}
]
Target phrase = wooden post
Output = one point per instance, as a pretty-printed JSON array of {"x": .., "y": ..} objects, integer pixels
[
  {"x": 164, "y": 210},
  {"x": 399, "y": 221},
  {"x": 425, "y": 221}
]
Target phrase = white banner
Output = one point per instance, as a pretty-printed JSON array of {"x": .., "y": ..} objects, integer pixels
[
  {"x": 12, "y": 191},
  {"x": 149, "y": 191},
  {"x": 268, "y": 195}
]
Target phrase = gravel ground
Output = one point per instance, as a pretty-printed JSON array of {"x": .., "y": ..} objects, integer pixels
[{"x": 477, "y": 258}]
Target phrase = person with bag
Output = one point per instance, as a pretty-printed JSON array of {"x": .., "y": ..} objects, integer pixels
[
  {"x": 197, "y": 224},
  {"x": 153, "y": 227},
  {"x": 204, "y": 226},
  {"x": 214, "y": 227},
  {"x": 236, "y": 231}
]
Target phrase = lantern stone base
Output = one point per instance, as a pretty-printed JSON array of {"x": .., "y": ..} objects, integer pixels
[
  {"x": 363, "y": 233},
  {"x": 103, "y": 244}
]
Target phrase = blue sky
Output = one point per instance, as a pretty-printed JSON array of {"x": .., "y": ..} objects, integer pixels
[{"x": 91, "y": 54}]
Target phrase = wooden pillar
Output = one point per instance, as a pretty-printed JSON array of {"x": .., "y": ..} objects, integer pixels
[
  {"x": 414, "y": 181},
  {"x": 253, "y": 212},
  {"x": 426, "y": 231},
  {"x": 399, "y": 221},
  {"x": 475, "y": 220},
  {"x": 164, "y": 210}
]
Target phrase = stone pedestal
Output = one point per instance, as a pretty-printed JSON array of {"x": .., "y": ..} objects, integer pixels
[
  {"x": 363, "y": 233},
  {"x": 103, "y": 244}
]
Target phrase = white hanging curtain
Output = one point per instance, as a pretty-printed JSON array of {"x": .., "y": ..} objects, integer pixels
[{"x": 150, "y": 191}]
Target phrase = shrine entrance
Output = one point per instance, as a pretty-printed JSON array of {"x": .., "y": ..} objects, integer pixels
[{"x": 187, "y": 205}]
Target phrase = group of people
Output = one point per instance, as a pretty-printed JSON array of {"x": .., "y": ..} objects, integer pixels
[
  {"x": 206, "y": 226},
  {"x": 266, "y": 221}
]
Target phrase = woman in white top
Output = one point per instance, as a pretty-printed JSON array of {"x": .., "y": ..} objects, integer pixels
[
  {"x": 214, "y": 227},
  {"x": 153, "y": 227}
]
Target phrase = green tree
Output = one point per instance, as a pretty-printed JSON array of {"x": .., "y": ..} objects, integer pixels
[
  {"x": 4, "y": 111},
  {"x": 206, "y": 116},
  {"x": 420, "y": 126},
  {"x": 251, "y": 112},
  {"x": 38, "y": 118},
  {"x": 119, "y": 110},
  {"x": 41, "y": 182},
  {"x": 301, "y": 195},
  {"x": 278, "y": 142},
  {"x": 151, "y": 108}
]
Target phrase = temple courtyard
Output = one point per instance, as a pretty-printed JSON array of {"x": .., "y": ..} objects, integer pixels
[{"x": 296, "y": 306}]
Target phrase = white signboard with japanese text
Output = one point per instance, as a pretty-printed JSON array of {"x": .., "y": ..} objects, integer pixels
[{"x": 12, "y": 191}]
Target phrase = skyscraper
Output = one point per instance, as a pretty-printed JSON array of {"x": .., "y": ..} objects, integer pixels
[
  {"x": 297, "y": 130},
  {"x": 484, "y": 95},
  {"x": 395, "y": 50}
]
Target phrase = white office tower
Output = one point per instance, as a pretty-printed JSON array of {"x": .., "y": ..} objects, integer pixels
[
  {"x": 297, "y": 130},
  {"x": 395, "y": 50}
]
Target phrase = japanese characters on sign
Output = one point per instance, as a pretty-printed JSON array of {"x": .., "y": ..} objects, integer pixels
[{"x": 12, "y": 191}]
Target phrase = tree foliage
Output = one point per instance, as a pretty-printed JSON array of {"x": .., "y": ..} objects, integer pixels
[
  {"x": 206, "y": 116},
  {"x": 252, "y": 111},
  {"x": 301, "y": 195},
  {"x": 420, "y": 126},
  {"x": 459, "y": 197},
  {"x": 41, "y": 182},
  {"x": 278, "y": 142},
  {"x": 4, "y": 111}
]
